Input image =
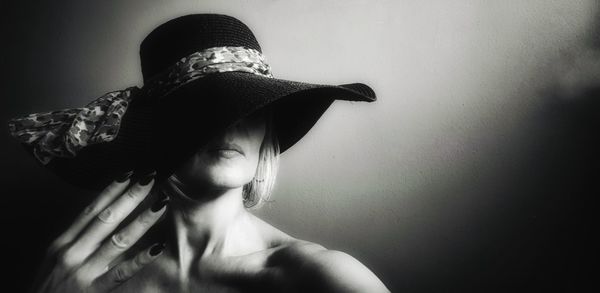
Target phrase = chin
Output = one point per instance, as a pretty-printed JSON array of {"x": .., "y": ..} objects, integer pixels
[{"x": 226, "y": 178}]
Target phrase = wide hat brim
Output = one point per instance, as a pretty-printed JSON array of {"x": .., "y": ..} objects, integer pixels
[{"x": 161, "y": 133}]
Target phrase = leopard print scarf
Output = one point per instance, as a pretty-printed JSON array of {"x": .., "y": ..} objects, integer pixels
[{"x": 63, "y": 133}]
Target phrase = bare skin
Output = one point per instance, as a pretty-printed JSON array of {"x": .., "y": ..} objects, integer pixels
[{"x": 213, "y": 245}]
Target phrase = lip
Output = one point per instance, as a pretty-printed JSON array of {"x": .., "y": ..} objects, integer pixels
[{"x": 228, "y": 147}]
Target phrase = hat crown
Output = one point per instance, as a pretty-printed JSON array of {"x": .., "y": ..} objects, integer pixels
[{"x": 182, "y": 36}]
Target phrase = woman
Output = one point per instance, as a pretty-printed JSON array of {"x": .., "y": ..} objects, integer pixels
[{"x": 210, "y": 121}]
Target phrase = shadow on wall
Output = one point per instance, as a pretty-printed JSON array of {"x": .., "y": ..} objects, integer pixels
[
  {"x": 547, "y": 243},
  {"x": 557, "y": 249},
  {"x": 541, "y": 236},
  {"x": 546, "y": 240}
]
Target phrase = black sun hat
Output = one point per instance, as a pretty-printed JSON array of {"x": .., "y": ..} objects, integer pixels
[{"x": 202, "y": 73}]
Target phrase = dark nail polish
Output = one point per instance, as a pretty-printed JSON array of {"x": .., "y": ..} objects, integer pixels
[
  {"x": 123, "y": 177},
  {"x": 156, "y": 249},
  {"x": 162, "y": 201},
  {"x": 147, "y": 178}
]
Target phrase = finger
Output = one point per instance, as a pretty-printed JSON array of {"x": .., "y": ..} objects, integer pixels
[
  {"x": 124, "y": 239},
  {"x": 125, "y": 270},
  {"x": 110, "y": 218},
  {"x": 107, "y": 196}
]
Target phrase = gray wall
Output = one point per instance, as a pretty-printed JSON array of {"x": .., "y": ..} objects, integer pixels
[{"x": 458, "y": 177}]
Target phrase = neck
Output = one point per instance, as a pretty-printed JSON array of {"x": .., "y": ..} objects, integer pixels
[{"x": 203, "y": 227}]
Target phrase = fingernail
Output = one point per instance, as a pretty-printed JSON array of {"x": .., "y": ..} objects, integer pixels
[
  {"x": 157, "y": 249},
  {"x": 147, "y": 178},
  {"x": 123, "y": 177},
  {"x": 162, "y": 201}
]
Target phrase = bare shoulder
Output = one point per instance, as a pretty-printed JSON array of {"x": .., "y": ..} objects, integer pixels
[
  {"x": 315, "y": 268},
  {"x": 322, "y": 270}
]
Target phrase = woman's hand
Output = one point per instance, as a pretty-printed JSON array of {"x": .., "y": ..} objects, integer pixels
[{"x": 83, "y": 258}]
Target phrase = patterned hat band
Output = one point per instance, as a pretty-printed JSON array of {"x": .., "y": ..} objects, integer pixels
[
  {"x": 205, "y": 62},
  {"x": 64, "y": 133}
]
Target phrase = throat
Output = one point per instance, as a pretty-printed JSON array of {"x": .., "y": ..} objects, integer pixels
[{"x": 217, "y": 227}]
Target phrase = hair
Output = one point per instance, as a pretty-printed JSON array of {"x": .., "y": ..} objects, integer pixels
[{"x": 258, "y": 191}]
